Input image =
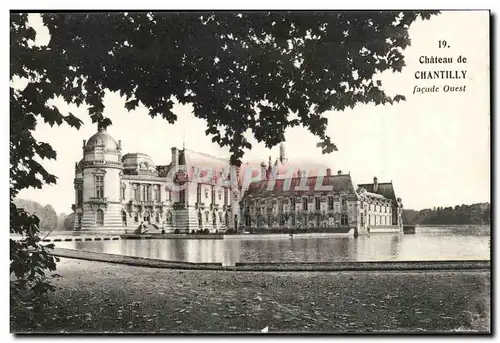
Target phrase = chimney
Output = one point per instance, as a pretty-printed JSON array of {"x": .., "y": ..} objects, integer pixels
[
  {"x": 282, "y": 153},
  {"x": 328, "y": 172},
  {"x": 263, "y": 171},
  {"x": 182, "y": 157},
  {"x": 339, "y": 172},
  {"x": 175, "y": 156},
  {"x": 375, "y": 184}
]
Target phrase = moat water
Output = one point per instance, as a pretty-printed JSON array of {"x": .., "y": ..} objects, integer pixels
[{"x": 449, "y": 243}]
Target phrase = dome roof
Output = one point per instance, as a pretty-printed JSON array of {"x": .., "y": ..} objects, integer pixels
[
  {"x": 103, "y": 139},
  {"x": 138, "y": 162}
]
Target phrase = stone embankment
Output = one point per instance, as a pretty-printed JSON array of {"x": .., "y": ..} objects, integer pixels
[{"x": 279, "y": 266}]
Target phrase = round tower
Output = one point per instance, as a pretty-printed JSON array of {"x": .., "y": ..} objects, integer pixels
[{"x": 101, "y": 173}]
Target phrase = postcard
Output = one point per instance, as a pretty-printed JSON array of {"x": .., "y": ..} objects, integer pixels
[{"x": 250, "y": 172}]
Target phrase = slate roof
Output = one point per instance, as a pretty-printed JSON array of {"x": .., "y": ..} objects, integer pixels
[
  {"x": 384, "y": 188},
  {"x": 340, "y": 183}
]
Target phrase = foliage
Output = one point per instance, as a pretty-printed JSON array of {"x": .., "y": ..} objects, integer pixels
[
  {"x": 46, "y": 214},
  {"x": 28, "y": 264},
  {"x": 69, "y": 222},
  {"x": 475, "y": 214},
  {"x": 241, "y": 72},
  {"x": 251, "y": 72},
  {"x": 29, "y": 260}
]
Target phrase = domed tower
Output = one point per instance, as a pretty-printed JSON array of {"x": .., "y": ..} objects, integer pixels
[{"x": 99, "y": 175}]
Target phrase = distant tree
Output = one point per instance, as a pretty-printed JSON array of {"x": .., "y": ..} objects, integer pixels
[
  {"x": 258, "y": 72},
  {"x": 46, "y": 214},
  {"x": 410, "y": 216},
  {"x": 60, "y": 221},
  {"x": 69, "y": 222},
  {"x": 475, "y": 214},
  {"x": 50, "y": 218}
]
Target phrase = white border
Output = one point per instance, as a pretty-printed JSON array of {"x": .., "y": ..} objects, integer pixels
[{"x": 210, "y": 5}]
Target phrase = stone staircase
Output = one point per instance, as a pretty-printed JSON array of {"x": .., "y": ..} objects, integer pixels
[{"x": 185, "y": 220}]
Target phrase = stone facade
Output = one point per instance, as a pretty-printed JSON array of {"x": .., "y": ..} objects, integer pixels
[
  {"x": 118, "y": 193},
  {"x": 198, "y": 192},
  {"x": 329, "y": 203}
]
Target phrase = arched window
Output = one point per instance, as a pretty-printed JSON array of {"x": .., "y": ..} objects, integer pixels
[
  {"x": 200, "y": 220},
  {"x": 157, "y": 219},
  {"x": 343, "y": 220},
  {"x": 136, "y": 217},
  {"x": 99, "y": 217}
]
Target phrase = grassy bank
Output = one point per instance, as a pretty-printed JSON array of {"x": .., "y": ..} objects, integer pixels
[{"x": 103, "y": 297}]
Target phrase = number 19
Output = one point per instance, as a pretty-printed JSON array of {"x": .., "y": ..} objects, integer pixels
[{"x": 442, "y": 44}]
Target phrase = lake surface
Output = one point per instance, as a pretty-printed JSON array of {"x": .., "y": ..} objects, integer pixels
[{"x": 446, "y": 243}]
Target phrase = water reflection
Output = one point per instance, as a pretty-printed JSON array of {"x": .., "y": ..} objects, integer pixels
[{"x": 426, "y": 245}]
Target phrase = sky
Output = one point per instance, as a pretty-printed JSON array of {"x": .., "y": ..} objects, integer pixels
[{"x": 435, "y": 148}]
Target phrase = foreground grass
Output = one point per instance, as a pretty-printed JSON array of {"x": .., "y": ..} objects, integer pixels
[{"x": 104, "y": 297}]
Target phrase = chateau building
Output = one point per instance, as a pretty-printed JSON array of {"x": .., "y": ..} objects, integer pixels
[
  {"x": 115, "y": 192},
  {"x": 329, "y": 203},
  {"x": 196, "y": 191}
]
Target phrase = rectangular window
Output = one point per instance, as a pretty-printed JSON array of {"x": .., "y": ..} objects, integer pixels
[
  {"x": 330, "y": 203},
  {"x": 213, "y": 195},
  {"x": 169, "y": 195},
  {"x": 182, "y": 195},
  {"x": 304, "y": 204},
  {"x": 198, "y": 193},
  {"x": 226, "y": 196},
  {"x": 99, "y": 186},
  {"x": 292, "y": 204},
  {"x": 137, "y": 192},
  {"x": 280, "y": 205},
  {"x": 344, "y": 201},
  {"x": 317, "y": 201},
  {"x": 123, "y": 193}
]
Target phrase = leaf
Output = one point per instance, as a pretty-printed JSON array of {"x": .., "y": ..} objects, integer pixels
[{"x": 73, "y": 121}]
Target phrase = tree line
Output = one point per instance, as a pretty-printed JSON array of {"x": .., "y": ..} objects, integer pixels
[
  {"x": 475, "y": 214},
  {"x": 49, "y": 219}
]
